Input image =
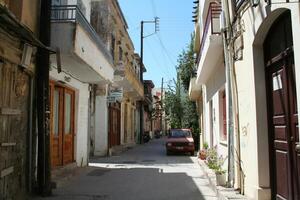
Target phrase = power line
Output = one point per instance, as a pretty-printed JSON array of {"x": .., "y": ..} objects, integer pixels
[
  {"x": 165, "y": 49},
  {"x": 153, "y": 8},
  {"x": 162, "y": 69}
]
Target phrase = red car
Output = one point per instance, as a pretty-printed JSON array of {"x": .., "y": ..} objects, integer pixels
[{"x": 180, "y": 140}]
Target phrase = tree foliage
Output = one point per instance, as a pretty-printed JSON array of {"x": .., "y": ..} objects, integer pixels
[
  {"x": 180, "y": 110},
  {"x": 186, "y": 64}
]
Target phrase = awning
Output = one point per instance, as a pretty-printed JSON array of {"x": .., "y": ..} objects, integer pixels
[{"x": 11, "y": 25}]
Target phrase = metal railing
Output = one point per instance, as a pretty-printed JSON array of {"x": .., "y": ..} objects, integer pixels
[
  {"x": 239, "y": 3},
  {"x": 134, "y": 75},
  {"x": 213, "y": 13},
  {"x": 72, "y": 13}
]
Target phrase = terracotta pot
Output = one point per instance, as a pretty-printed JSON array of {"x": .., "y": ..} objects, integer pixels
[{"x": 202, "y": 155}]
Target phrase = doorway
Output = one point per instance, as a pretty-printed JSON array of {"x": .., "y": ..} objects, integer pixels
[
  {"x": 282, "y": 109},
  {"x": 62, "y": 125},
  {"x": 114, "y": 124}
]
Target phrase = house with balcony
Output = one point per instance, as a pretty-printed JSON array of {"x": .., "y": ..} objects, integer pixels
[
  {"x": 81, "y": 71},
  {"x": 207, "y": 88},
  {"x": 266, "y": 71},
  {"x": 123, "y": 129},
  {"x": 264, "y": 48}
]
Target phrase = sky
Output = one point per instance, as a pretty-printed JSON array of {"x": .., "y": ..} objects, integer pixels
[{"x": 161, "y": 50}]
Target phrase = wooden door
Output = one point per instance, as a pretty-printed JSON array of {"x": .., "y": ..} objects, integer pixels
[
  {"x": 68, "y": 128},
  {"x": 125, "y": 122},
  {"x": 56, "y": 125},
  {"x": 62, "y": 125},
  {"x": 282, "y": 110},
  {"x": 114, "y": 124}
]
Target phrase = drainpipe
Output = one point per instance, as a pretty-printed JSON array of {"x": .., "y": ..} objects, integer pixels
[
  {"x": 30, "y": 138},
  {"x": 232, "y": 103},
  {"x": 107, "y": 90},
  {"x": 226, "y": 36}
]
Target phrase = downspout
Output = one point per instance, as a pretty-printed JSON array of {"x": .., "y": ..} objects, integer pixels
[
  {"x": 107, "y": 90},
  {"x": 234, "y": 161},
  {"x": 226, "y": 36},
  {"x": 30, "y": 138},
  {"x": 238, "y": 165}
]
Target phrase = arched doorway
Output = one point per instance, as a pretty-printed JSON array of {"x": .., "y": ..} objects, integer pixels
[{"x": 282, "y": 109}]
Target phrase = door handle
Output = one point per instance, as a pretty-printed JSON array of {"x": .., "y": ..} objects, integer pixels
[{"x": 297, "y": 147}]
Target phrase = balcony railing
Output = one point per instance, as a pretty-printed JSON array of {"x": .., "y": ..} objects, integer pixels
[
  {"x": 72, "y": 13},
  {"x": 239, "y": 3},
  {"x": 212, "y": 23}
]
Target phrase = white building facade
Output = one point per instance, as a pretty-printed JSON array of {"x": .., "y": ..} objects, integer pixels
[
  {"x": 266, "y": 90},
  {"x": 80, "y": 75}
]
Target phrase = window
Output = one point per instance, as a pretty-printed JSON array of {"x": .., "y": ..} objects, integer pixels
[
  {"x": 224, "y": 120},
  {"x": 180, "y": 133},
  {"x": 120, "y": 53},
  {"x": 112, "y": 49},
  {"x": 56, "y": 112},
  {"x": 68, "y": 105}
]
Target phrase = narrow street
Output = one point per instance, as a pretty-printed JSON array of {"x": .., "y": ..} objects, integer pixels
[{"x": 143, "y": 172}]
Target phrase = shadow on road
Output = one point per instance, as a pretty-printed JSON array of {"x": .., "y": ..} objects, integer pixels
[
  {"x": 152, "y": 153},
  {"x": 130, "y": 184}
]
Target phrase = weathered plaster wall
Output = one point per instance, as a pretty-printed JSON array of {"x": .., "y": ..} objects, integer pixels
[{"x": 101, "y": 126}]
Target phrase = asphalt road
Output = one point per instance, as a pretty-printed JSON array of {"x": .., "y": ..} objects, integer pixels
[{"x": 141, "y": 173}]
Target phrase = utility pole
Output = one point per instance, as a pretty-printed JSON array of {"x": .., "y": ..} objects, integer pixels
[
  {"x": 161, "y": 103},
  {"x": 156, "y": 22},
  {"x": 227, "y": 35},
  {"x": 141, "y": 78},
  {"x": 43, "y": 109}
]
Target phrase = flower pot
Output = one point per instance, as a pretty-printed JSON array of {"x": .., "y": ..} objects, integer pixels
[
  {"x": 221, "y": 179},
  {"x": 202, "y": 155}
]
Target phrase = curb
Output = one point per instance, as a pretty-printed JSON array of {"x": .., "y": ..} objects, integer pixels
[{"x": 223, "y": 193}]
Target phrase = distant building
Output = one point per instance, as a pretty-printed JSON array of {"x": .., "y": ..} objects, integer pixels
[
  {"x": 148, "y": 107},
  {"x": 109, "y": 22}
]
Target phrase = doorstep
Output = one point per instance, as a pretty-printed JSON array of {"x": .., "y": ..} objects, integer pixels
[
  {"x": 60, "y": 176},
  {"x": 117, "y": 150},
  {"x": 223, "y": 193}
]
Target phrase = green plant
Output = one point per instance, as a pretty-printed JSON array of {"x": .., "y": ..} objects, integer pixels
[
  {"x": 205, "y": 145},
  {"x": 214, "y": 161}
]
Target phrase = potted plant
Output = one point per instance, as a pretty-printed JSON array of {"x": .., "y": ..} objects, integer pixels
[
  {"x": 220, "y": 176},
  {"x": 202, "y": 154},
  {"x": 215, "y": 163}
]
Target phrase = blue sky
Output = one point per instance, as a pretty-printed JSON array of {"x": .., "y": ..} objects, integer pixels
[{"x": 160, "y": 50}]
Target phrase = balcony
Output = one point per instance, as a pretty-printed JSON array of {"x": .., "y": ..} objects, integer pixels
[
  {"x": 194, "y": 90},
  {"x": 83, "y": 53},
  {"x": 211, "y": 46},
  {"x": 126, "y": 77}
]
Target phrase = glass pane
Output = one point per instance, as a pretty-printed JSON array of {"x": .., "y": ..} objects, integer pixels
[
  {"x": 67, "y": 113},
  {"x": 55, "y": 112}
]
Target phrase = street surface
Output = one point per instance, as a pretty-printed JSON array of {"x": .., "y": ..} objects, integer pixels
[{"x": 141, "y": 173}]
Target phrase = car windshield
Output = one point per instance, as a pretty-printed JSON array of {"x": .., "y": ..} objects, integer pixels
[{"x": 180, "y": 133}]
